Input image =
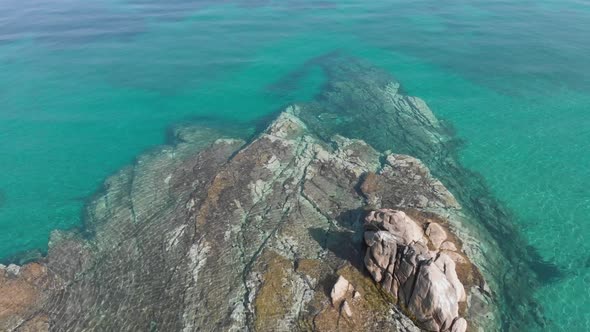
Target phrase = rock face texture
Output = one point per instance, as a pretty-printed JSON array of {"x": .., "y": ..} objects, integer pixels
[
  {"x": 424, "y": 281},
  {"x": 273, "y": 234}
]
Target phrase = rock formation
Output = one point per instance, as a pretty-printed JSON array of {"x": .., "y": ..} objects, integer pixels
[
  {"x": 424, "y": 281},
  {"x": 218, "y": 234},
  {"x": 369, "y": 105}
]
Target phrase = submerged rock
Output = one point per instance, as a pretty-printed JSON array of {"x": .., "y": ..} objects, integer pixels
[{"x": 269, "y": 235}]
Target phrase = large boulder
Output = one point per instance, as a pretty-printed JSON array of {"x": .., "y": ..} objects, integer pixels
[
  {"x": 398, "y": 224},
  {"x": 424, "y": 281},
  {"x": 433, "y": 300}
]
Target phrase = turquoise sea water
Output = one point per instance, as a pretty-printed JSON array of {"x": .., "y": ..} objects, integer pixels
[{"x": 86, "y": 86}]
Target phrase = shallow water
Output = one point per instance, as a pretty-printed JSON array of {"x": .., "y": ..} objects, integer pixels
[{"x": 87, "y": 86}]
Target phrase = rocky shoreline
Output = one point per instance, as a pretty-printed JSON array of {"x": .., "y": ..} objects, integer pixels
[{"x": 313, "y": 226}]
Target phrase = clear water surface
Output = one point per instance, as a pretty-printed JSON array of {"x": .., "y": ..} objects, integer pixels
[{"x": 85, "y": 86}]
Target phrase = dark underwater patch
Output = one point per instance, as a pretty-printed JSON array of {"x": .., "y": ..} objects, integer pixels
[
  {"x": 24, "y": 257},
  {"x": 546, "y": 272}
]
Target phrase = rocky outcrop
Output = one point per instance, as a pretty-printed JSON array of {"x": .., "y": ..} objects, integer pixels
[
  {"x": 218, "y": 234},
  {"x": 364, "y": 102},
  {"x": 424, "y": 281}
]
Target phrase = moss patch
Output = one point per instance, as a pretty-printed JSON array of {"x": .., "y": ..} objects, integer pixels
[
  {"x": 370, "y": 183},
  {"x": 373, "y": 303},
  {"x": 376, "y": 298},
  {"x": 309, "y": 267},
  {"x": 274, "y": 297},
  {"x": 219, "y": 184}
]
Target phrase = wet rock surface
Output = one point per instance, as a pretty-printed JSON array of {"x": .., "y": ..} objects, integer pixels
[{"x": 218, "y": 234}]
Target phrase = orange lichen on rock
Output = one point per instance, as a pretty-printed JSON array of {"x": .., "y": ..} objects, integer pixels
[
  {"x": 22, "y": 296},
  {"x": 273, "y": 299}
]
